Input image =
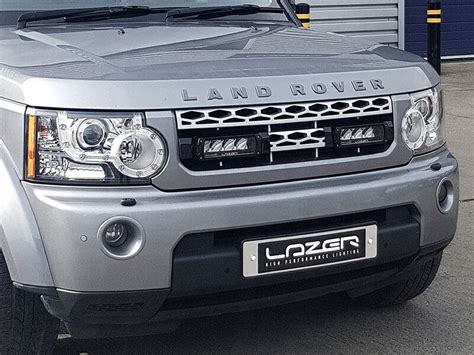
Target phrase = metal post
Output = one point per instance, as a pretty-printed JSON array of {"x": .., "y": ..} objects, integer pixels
[
  {"x": 303, "y": 12},
  {"x": 434, "y": 34}
]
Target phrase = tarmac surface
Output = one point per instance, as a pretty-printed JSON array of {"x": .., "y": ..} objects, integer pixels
[{"x": 441, "y": 321}]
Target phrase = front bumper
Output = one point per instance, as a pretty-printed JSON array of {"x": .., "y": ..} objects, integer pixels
[
  {"x": 65, "y": 215},
  {"x": 118, "y": 314},
  {"x": 191, "y": 264}
]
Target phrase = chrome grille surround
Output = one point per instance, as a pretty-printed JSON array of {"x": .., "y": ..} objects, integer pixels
[{"x": 280, "y": 114}]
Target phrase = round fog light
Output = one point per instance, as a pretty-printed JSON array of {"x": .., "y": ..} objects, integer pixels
[
  {"x": 445, "y": 196},
  {"x": 121, "y": 237},
  {"x": 116, "y": 235},
  {"x": 442, "y": 194}
]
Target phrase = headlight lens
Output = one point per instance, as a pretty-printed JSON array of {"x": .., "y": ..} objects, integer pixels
[
  {"x": 414, "y": 129},
  {"x": 422, "y": 126},
  {"x": 81, "y": 147}
]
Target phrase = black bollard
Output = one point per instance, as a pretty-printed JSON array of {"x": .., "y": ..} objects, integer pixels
[
  {"x": 434, "y": 34},
  {"x": 303, "y": 12}
]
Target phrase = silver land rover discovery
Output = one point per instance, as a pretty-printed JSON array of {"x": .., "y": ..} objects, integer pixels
[{"x": 168, "y": 159}]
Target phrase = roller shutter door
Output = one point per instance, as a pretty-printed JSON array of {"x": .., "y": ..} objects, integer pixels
[
  {"x": 457, "y": 27},
  {"x": 377, "y": 20}
]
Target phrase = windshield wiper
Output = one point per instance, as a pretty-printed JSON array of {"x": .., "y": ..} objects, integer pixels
[
  {"x": 217, "y": 11},
  {"x": 95, "y": 13}
]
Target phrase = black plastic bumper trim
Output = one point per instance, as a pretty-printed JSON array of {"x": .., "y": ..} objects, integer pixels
[
  {"x": 212, "y": 262},
  {"x": 109, "y": 314},
  {"x": 38, "y": 290}
]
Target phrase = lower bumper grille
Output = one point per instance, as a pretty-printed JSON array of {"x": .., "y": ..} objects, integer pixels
[
  {"x": 208, "y": 263},
  {"x": 288, "y": 133}
]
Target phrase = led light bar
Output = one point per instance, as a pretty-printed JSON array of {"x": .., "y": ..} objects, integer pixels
[
  {"x": 363, "y": 135},
  {"x": 220, "y": 148}
]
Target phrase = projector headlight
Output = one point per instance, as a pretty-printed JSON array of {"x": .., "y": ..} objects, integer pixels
[
  {"x": 83, "y": 147},
  {"x": 422, "y": 126}
]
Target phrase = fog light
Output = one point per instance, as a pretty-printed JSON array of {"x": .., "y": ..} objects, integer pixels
[
  {"x": 116, "y": 235},
  {"x": 445, "y": 196},
  {"x": 442, "y": 194},
  {"x": 121, "y": 237}
]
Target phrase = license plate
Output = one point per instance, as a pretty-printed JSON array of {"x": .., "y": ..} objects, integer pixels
[{"x": 294, "y": 253}]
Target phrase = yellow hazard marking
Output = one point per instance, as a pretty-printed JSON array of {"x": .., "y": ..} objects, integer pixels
[
  {"x": 303, "y": 16},
  {"x": 306, "y": 25},
  {"x": 434, "y": 20},
  {"x": 434, "y": 12}
]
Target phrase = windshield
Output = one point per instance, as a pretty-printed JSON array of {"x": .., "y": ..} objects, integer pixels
[{"x": 37, "y": 5}]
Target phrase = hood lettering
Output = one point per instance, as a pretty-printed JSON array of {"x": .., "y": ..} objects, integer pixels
[
  {"x": 186, "y": 96},
  {"x": 214, "y": 94},
  {"x": 263, "y": 91},
  {"x": 297, "y": 89},
  {"x": 318, "y": 88},
  {"x": 359, "y": 85},
  {"x": 338, "y": 85},
  {"x": 239, "y": 93},
  {"x": 377, "y": 84}
]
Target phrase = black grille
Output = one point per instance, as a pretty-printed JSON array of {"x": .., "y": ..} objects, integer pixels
[{"x": 295, "y": 132}]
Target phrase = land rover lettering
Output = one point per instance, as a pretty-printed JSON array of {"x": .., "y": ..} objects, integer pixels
[{"x": 314, "y": 89}]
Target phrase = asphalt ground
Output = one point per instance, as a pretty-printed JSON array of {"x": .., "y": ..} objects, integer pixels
[{"x": 441, "y": 321}]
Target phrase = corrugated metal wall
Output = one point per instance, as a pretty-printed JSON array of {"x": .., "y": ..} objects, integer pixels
[
  {"x": 457, "y": 29},
  {"x": 378, "y": 20}
]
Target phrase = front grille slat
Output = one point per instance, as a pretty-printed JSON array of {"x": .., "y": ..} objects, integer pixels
[{"x": 277, "y": 114}]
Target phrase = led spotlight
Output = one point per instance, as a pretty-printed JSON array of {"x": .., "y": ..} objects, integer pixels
[
  {"x": 362, "y": 135},
  {"x": 231, "y": 147}
]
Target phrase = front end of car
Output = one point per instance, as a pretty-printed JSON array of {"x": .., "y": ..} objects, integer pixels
[
  {"x": 149, "y": 217},
  {"x": 159, "y": 164}
]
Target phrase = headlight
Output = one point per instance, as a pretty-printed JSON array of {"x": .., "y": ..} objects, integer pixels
[
  {"x": 81, "y": 147},
  {"x": 422, "y": 126}
]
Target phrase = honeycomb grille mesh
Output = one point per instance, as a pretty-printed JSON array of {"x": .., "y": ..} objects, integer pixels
[
  {"x": 297, "y": 139},
  {"x": 280, "y": 114}
]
